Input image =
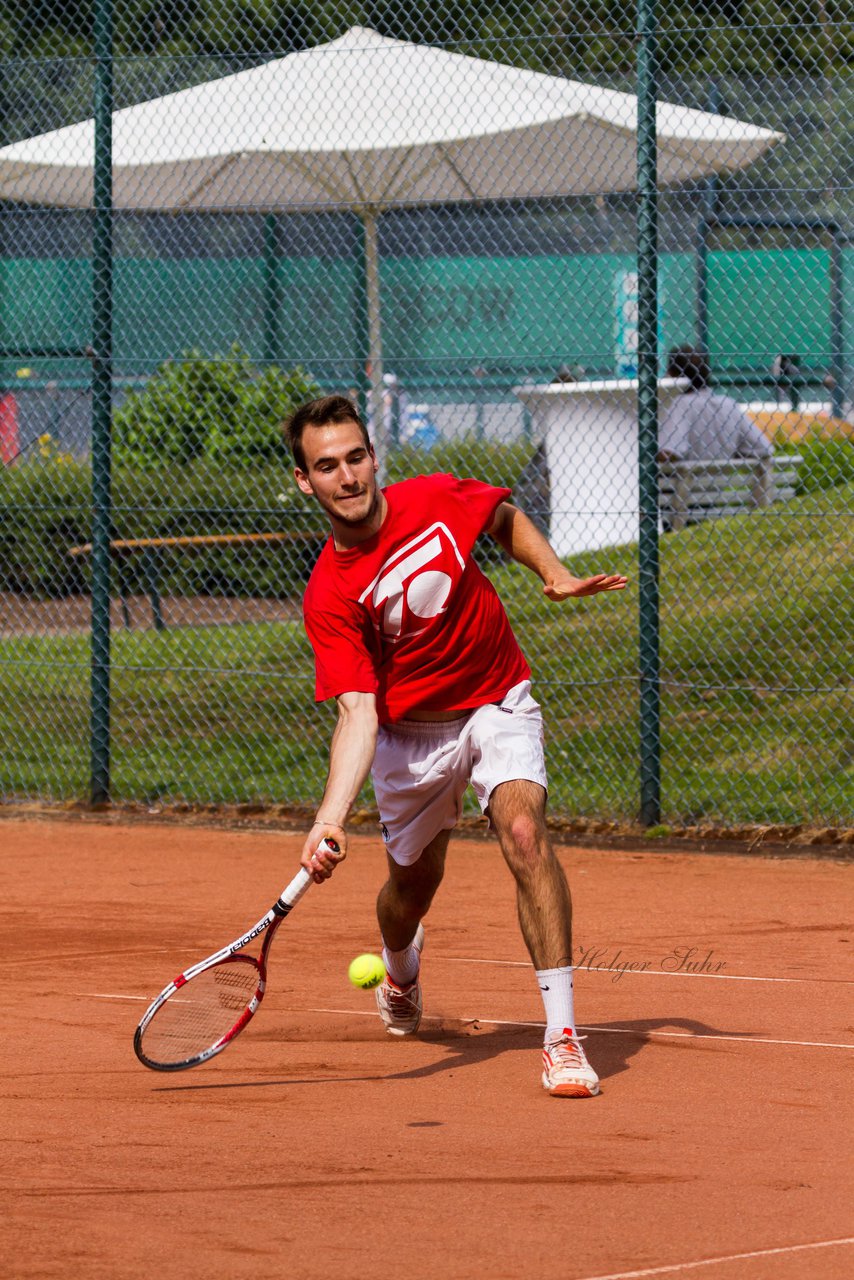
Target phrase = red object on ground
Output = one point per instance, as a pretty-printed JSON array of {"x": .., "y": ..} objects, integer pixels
[{"x": 10, "y": 446}]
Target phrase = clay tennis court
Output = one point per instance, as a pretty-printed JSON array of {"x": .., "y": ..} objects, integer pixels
[{"x": 317, "y": 1146}]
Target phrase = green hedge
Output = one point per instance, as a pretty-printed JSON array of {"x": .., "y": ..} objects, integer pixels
[
  {"x": 197, "y": 451},
  {"x": 45, "y": 511},
  {"x": 499, "y": 464}
]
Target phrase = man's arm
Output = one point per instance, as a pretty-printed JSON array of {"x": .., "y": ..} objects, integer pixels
[
  {"x": 522, "y": 541},
  {"x": 674, "y": 432},
  {"x": 752, "y": 442},
  {"x": 351, "y": 755}
]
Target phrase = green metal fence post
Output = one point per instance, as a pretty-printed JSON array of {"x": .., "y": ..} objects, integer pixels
[
  {"x": 102, "y": 389},
  {"x": 647, "y": 233}
]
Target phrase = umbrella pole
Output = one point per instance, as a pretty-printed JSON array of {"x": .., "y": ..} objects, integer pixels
[
  {"x": 375, "y": 344},
  {"x": 272, "y": 290}
]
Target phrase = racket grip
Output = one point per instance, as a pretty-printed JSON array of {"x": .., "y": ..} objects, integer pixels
[
  {"x": 300, "y": 883},
  {"x": 298, "y": 886}
]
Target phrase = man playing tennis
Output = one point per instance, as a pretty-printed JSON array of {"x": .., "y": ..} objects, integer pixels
[{"x": 433, "y": 693}]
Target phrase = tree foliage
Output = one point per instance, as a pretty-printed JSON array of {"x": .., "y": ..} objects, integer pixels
[
  {"x": 223, "y": 410},
  {"x": 805, "y": 37}
]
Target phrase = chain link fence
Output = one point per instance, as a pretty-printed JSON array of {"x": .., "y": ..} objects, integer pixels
[{"x": 436, "y": 210}]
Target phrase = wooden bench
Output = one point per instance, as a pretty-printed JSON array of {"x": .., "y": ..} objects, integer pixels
[
  {"x": 151, "y": 548},
  {"x": 690, "y": 492}
]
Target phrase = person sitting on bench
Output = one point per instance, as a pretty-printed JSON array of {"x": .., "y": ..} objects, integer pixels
[{"x": 700, "y": 424}]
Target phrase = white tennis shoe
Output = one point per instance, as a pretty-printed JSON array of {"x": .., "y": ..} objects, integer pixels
[
  {"x": 566, "y": 1071},
  {"x": 401, "y": 1007}
]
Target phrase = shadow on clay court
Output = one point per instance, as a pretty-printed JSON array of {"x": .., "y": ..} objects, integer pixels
[{"x": 610, "y": 1046}]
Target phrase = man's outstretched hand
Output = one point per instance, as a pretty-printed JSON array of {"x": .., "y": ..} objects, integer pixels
[{"x": 564, "y": 586}]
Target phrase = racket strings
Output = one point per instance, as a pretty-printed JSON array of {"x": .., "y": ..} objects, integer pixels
[{"x": 199, "y": 1014}]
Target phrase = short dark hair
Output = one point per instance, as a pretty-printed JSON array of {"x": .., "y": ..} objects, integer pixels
[
  {"x": 691, "y": 363},
  {"x": 319, "y": 413}
]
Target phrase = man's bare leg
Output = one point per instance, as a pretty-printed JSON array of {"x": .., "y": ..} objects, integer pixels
[
  {"x": 405, "y": 898},
  {"x": 403, "y": 901},
  {"x": 517, "y": 811}
]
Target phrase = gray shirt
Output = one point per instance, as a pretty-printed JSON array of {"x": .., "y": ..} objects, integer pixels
[{"x": 701, "y": 425}]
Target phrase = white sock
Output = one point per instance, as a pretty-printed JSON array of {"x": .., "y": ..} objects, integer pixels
[
  {"x": 556, "y": 990},
  {"x": 402, "y": 966}
]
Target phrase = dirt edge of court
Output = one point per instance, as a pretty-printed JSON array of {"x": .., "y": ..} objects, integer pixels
[{"x": 798, "y": 841}]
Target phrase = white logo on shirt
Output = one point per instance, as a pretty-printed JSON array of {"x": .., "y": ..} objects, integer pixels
[{"x": 414, "y": 584}]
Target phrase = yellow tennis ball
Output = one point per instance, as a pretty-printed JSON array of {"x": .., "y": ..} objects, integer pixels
[{"x": 366, "y": 971}]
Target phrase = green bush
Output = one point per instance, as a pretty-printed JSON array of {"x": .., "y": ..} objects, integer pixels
[
  {"x": 826, "y": 463},
  {"x": 223, "y": 409}
]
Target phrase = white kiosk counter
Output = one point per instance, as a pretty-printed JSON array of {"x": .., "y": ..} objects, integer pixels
[{"x": 591, "y": 434}]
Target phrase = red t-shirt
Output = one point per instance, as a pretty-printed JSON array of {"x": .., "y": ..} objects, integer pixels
[{"x": 407, "y": 614}]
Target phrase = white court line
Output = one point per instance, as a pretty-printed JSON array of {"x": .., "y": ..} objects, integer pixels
[
  {"x": 663, "y": 973},
  {"x": 503, "y": 1022},
  {"x": 729, "y": 1257},
  {"x": 613, "y": 1031},
  {"x": 499, "y": 1022}
]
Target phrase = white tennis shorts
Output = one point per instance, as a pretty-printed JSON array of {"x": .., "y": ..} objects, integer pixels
[{"x": 421, "y": 769}]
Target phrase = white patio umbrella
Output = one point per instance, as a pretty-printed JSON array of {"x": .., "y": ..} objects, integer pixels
[{"x": 365, "y": 123}]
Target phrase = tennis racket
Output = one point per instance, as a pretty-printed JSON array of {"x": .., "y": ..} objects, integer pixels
[{"x": 209, "y": 1004}]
